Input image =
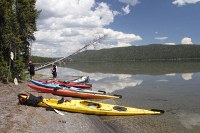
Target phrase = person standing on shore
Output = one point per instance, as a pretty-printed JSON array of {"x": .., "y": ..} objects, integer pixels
[
  {"x": 31, "y": 69},
  {"x": 54, "y": 71}
]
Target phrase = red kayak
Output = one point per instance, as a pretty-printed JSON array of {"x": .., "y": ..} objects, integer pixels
[
  {"x": 68, "y": 83},
  {"x": 70, "y": 93}
]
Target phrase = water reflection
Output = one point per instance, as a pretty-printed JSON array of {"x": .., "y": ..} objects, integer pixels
[
  {"x": 107, "y": 82},
  {"x": 147, "y": 68},
  {"x": 187, "y": 76},
  {"x": 189, "y": 120},
  {"x": 173, "y": 87},
  {"x": 114, "y": 82}
]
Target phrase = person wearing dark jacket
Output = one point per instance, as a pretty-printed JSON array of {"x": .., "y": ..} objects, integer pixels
[
  {"x": 31, "y": 69},
  {"x": 54, "y": 71}
]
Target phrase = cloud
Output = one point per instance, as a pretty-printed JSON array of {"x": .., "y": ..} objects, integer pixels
[
  {"x": 170, "y": 43},
  {"x": 123, "y": 45},
  {"x": 161, "y": 38},
  {"x": 119, "y": 39},
  {"x": 130, "y": 2},
  {"x": 120, "y": 36},
  {"x": 184, "y": 2},
  {"x": 126, "y": 9},
  {"x": 65, "y": 26},
  {"x": 186, "y": 40}
]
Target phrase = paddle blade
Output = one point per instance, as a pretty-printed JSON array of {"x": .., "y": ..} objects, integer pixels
[
  {"x": 55, "y": 110},
  {"x": 60, "y": 113}
]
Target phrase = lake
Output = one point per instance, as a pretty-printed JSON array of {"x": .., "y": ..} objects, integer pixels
[{"x": 171, "y": 86}]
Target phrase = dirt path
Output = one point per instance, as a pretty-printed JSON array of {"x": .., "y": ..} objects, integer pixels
[{"x": 16, "y": 118}]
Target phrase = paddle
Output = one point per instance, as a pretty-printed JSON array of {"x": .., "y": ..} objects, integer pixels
[{"x": 55, "y": 110}]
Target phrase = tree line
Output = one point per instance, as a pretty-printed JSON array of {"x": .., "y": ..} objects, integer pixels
[
  {"x": 151, "y": 52},
  {"x": 42, "y": 60},
  {"x": 17, "y": 25}
]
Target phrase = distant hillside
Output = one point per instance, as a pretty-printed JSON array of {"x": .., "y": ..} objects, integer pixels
[
  {"x": 137, "y": 53},
  {"x": 38, "y": 59}
]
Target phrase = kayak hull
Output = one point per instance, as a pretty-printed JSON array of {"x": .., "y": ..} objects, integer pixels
[
  {"x": 57, "y": 86},
  {"x": 83, "y": 79},
  {"x": 94, "y": 108},
  {"x": 68, "y": 83},
  {"x": 71, "y": 93}
]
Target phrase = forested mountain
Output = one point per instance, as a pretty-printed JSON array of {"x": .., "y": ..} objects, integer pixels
[
  {"x": 42, "y": 60},
  {"x": 17, "y": 25},
  {"x": 137, "y": 53}
]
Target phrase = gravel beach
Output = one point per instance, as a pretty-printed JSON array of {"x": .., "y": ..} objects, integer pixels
[{"x": 16, "y": 118}]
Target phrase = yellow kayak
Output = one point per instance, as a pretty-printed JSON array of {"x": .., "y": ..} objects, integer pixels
[{"x": 85, "y": 106}]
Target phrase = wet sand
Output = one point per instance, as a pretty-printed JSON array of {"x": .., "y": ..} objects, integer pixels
[{"x": 16, "y": 118}]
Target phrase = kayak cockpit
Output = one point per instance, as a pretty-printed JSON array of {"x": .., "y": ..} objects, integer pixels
[{"x": 90, "y": 104}]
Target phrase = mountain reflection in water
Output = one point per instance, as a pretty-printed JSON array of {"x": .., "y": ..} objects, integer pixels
[
  {"x": 171, "y": 86},
  {"x": 147, "y": 68}
]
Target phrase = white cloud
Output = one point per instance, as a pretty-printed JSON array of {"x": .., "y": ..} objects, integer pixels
[
  {"x": 161, "y": 38},
  {"x": 65, "y": 26},
  {"x": 123, "y": 45},
  {"x": 120, "y": 36},
  {"x": 130, "y": 2},
  {"x": 170, "y": 43},
  {"x": 119, "y": 39},
  {"x": 126, "y": 9},
  {"x": 184, "y": 2},
  {"x": 186, "y": 40}
]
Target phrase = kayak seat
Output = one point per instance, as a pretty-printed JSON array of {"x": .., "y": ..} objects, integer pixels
[
  {"x": 119, "y": 108},
  {"x": 90, "y": 104}
]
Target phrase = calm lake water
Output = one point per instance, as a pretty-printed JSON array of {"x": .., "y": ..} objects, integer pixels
[{"x": 170, "y": 86}]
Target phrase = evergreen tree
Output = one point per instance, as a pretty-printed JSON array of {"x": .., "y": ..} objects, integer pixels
[
  {"x": 26, "y": 16},
  {"x": 17, "y": 25}
]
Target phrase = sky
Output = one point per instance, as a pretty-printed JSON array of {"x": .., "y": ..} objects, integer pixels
[{"x": 65, "y": 26}]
